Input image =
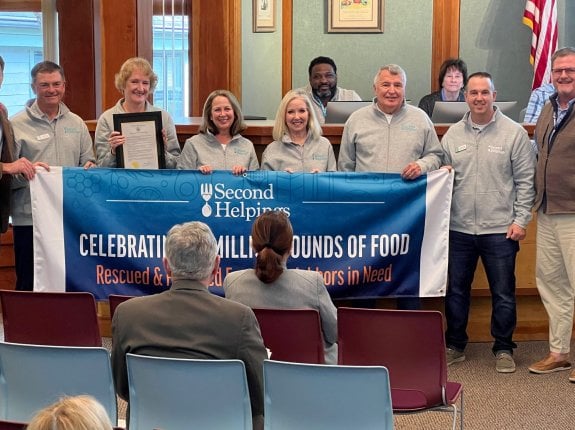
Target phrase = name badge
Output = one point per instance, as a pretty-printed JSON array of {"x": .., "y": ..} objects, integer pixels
[
  {"x": 43, "y": 137},
  {"x": 461, "y": 148}
]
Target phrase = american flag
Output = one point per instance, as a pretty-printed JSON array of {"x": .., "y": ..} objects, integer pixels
[{"x": 541, "y": 17}]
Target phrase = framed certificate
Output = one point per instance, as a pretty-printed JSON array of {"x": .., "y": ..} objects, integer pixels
[
  {"x": 144, "y": 147},
  {"x": 355, "y": 16}
]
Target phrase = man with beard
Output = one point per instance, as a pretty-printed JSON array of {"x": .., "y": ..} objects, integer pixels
[
  {"x": 555, "y": 206},
  {"x": 322, "y": 87}
]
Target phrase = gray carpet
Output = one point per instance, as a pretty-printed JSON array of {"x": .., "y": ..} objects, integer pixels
[{"x": 519, "y": 400}]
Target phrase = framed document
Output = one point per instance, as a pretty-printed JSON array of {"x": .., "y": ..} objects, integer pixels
[
  {"x": 355, "y": 16},
  {"x": 264, "y": 16},
  {"x": 144, "y": 147}
]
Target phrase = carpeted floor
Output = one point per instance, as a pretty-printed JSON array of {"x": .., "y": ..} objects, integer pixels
[{"x": 519, "y": 400}]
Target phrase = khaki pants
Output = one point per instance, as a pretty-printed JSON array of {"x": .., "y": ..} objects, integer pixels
[{"x": 555, "y": 275}]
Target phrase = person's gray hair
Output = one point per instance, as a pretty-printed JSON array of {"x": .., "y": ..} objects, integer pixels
[
  {"x": 562, "y": 52},
  {"x": 394, "y": 69},
  {"x": 191, "y": 250}
]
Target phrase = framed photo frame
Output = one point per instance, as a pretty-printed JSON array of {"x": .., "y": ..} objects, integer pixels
[
  {"x": 355, "y": 16},
  {"x": 144, "y": 147},
  {"x": 264, "y": 16}
]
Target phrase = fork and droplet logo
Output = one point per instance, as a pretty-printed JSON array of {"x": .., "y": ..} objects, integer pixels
[
  {"x": 237, "y": 203},
  {"x": 206, "y": 191}
]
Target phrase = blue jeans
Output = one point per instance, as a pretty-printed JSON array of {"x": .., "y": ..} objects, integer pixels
[{"x": 498, "y": 257}]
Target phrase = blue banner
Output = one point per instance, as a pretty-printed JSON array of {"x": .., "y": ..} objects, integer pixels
[{"x": 369, "y": 234}]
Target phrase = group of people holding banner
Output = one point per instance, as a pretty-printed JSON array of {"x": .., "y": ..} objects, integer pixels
[{"x": 498, "y": 180}]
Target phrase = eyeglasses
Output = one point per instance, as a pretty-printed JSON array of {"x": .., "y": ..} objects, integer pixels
[{"x": 570, "y": 71}]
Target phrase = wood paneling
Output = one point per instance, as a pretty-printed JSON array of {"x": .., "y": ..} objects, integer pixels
[
  {"x": 216, "y": 52},
  {"x": 115, "y": 30},
  {"x": 7, "y": 274},
  {"x": 77, "y": 58},
  {"x": 20, "y": 5},
  {"x": 445, "y": 43},
  {"x": 287, "y": 43},
  {"x": 144, "y": 30}
]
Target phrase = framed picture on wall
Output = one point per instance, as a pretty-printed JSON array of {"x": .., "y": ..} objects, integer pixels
[
  {"x": 264, "y": 16},
  {"x": 355, "y": 16}
]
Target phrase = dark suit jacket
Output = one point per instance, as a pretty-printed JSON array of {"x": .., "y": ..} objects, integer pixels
[
  {"x": 5, "y": 157},
  {"x": 188, "y": 321}
]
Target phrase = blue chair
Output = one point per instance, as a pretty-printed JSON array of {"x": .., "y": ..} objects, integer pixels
[
  {"x": 316, "y": 397},
  {"x": 176, "y": 393},
  {"x": 35, "y": 376}
]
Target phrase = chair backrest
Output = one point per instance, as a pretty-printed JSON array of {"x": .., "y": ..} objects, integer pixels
[
  {"x": 50, "y": 318},
  {"x": 12, "y": 425},
  {"x": 114, "y": 300},
  {"x": 314, "y": 396},
  {"x": 409, "y": 343},
  {"x": 35, "y": 376},
  {"x": 292, "y": 334},
  {"x": 175, "y": 393}
]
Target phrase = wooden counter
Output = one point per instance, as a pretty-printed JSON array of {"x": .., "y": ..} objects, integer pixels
[{"x": 260, "y": 132}]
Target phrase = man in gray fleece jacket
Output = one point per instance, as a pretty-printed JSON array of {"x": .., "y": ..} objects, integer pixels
[
  {"x": 493, "y": 194},
  {"x": 44, "y": 132},
  {"x": 390, "y": 136}
]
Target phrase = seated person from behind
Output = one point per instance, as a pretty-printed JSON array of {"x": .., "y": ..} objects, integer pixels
[
  {"x": 136, "y": 81},
  {"x": 219, "y": 144},
  {"x": 272, "y": 285},
  {"x": 322, "y": 87},
  {"x": 187, "y": 321},
  {"x": 298, "y": 145},
  {"x": 72, "y": 413},
  {"x": 452, "y": 80},
  {"x": 539, "y": 96}
]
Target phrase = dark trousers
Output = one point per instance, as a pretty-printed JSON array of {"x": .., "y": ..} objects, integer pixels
[
  {"x": 498, "y": 257},
  {"x": 24, "y": 257}
]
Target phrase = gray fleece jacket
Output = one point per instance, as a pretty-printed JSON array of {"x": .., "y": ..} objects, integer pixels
[
  {"x": 370, "y": 144},
  {"x": 105, "y": 126},
  {"x": 63, "y": 141},
  {"x": 494, "y": 175},
  {"x": 314, "y": 154},
  {"x": 205, "y": 150}
]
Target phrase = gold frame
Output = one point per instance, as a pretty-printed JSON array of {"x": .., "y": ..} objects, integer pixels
[
  {"x": 264, "y": 16},
  {"x": 355, "y": 16}
]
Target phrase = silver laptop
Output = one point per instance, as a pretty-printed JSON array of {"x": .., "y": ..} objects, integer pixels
[
  {"x": 339, "y": 112},
  {"x": 451, "y": 112}
]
